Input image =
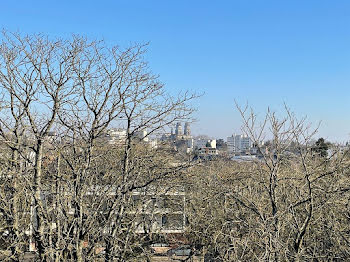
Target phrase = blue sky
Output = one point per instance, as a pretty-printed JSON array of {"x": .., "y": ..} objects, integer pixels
[{"x": 263, "y": 52}]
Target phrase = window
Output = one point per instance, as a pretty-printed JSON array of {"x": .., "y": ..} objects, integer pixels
[{"x": 164, "y": 221}]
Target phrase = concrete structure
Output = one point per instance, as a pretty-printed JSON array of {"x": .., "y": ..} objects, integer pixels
[
  {"x": 115, "y": 136},
  {"x": 142, "y": 135},
  {"x": 167, "y": 137},
  {"x": 190, "y": 143},
  {"x": 182, "y": 141},
  {"x": 160, "y": 212},
  {"x": 179, "y": 134},
  {"x": 207, "y": 151},
  {"x": 187, "y": 129},
  {"x": 238, "y": 144},
  {"x": 200, "y": 143},
  {"x": 178, "y": 129}
]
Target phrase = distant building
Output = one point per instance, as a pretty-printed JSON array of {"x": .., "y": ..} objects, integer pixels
[
  {"x": 178, "y": 134},
  {"x": 207, "y": 151},
  {"x": 200, "y": 143},
  {"x": 166, "y": 137},
  {"x": 142, "y": 135},
  {"x": 178, "y": 130},
  {"x": 182, "y": 141},
  {"x": 115, "y": 136},
  {"x": 238, "y": 144},
  {"x": 160, "y": 212},
  {"x": 187, "y": 129},
  {"x": 190, "y": 143}
]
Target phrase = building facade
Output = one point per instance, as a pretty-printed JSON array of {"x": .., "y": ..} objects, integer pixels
[
  {"x": 201, "y": 143},
  {"x": 238, "y": 144}
]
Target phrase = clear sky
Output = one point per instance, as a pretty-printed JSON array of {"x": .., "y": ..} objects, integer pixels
[{"x": 262, "y": 52}]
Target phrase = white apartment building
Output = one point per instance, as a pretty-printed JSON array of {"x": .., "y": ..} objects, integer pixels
[
  {"x": 200, "y": 143},
  {"x": 115, "y": 136},
  {"x": 142, "y": 135},
  {"x": 238, "y": 143},
  {"x": 161, "y": 210}
]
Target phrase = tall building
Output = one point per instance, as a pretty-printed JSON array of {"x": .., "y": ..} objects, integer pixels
[
  {"x": 178, "y": 130},
  {"x": 187, "y": 129},
  {"x": 238, "y": 143},
  {"x": 182, "y": 141}
]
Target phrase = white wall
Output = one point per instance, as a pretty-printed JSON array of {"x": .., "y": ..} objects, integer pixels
[{"x": 200, "y": 143}]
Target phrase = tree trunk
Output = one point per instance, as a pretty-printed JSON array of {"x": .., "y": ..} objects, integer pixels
[{"x": 38, "y": 205}]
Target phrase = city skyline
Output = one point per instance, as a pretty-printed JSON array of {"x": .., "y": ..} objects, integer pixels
[
  {"x": 158, "y": 131},
  {"x": 264, "y": 53}
]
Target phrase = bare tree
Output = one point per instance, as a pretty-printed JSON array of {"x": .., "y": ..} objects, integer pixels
[
  {"x": 59, "y": 99},
  {"x": 270, "y": 208},
  {"x": 35, "y": 76}
]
